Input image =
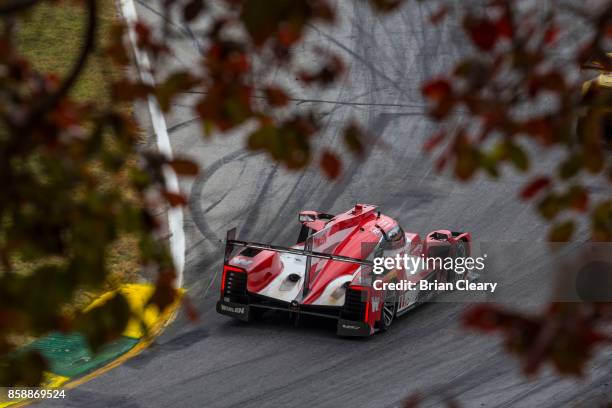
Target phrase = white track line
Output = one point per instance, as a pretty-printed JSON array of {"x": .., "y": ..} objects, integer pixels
[{"x": 175, "y": 214}]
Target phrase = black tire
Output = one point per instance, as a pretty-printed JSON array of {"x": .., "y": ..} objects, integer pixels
[
  {"x": 389, "y": 310},
  {"x": 460, "y": 251}
]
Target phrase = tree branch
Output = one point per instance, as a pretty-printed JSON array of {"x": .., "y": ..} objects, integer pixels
[
  {"x": 89, "y": 45},
  {"x": 16, "y": 6}
]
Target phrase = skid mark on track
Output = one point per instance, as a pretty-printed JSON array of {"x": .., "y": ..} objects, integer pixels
[
  {"x": 182, "y": 125},
  {"x": 195, "y": 196},
  {"x": 253, "y": 215}
]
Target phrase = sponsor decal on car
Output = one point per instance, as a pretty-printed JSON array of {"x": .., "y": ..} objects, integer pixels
[
  {"x": 238, "y": 310},
  {"x": 375, "y": 304}
]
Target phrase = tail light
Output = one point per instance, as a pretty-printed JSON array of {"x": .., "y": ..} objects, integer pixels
[
  {"x": 356, "y": 303},
  {"x": 233, "y": 282}
]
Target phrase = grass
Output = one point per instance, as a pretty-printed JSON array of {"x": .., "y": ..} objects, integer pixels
[{"x": 51, "y": 37}]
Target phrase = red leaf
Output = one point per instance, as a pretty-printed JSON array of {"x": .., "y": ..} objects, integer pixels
[
  {"x": 330, "y": 164},
  {"x": 578, "y": 198},
  {"x": 287, "y": 35},
  {"x": 441, "y": 163},
  {"x": 175, "y": 200},
  {"x": 434, "y": 141},
  {"x": 541, "y": 128},
  {"x": 386, "y": 5},
  {"x": 483, "y": 317},
  {"x": 184, "y": 167},
  {"x": 504, "y": 27},
  {"x": 437, "y": 17},
  {"x": 190, "y": 310},
  {"x": 276, "y": 96},
  {"x": 412, "y": 401},
  {"x": 534, "y": 187},
  {"x": 581, "y": 202},
  {"x": 238, "y": 63},
  {"x": 437, "y": 89},
  {"x": 551, "y": 35},
  {"x": 142, "y": 31},
  {"x": 482, "y": 32}
]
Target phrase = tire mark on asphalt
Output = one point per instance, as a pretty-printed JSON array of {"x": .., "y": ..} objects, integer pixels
[
  {"x": 379, "y": 124},
  {"x": 182, "y": 125},
  {"x": 195, "y": 204},
  {"x": 181, "y": 29},
  {"x": 359, "y": 58},
  {"x": 251, "y": 220},
  {"x": 421, "y": 106}
]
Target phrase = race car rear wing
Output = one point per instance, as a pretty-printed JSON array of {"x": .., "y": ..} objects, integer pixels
[{"x": 231, "y": 242}]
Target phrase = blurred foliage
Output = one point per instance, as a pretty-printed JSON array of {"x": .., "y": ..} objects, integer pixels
[
  {"x": 75, "y": 198},
  {"x": 56, "y": 150},
  {"x": 502, "y": 86},
  {"x": 566, "y": 334}
]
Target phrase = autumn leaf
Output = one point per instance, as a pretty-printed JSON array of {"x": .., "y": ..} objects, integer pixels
[
  {"x": 173, "y": 85},
  {"x": 184, "y": 167},
  {"x": 518, "y": 156},
  {"x": 192, "y": 9},
  {"x": 276, "y": 96},
  {"x": 578, "y": 198},
  {"x": 483, "y": 32},
  {"x": 174, "y": 199},
  {"x": 601, "y": 221},
  {"x": 437, "y": 89},
  {"x": 571, "y": 166},
  {"x": 190, "y": 311},
  {"x": 165, "y": 293},
  {"x": 354, "y": 138},
  {"x": 434, "y": 141},
  {"x": 550, "y": 206},
  {"x": 329, "y": 72},
  {"x": 551, "y": 34},
  {"x": 413, "y": 401},
  {"x": 330, "y": 164},
  {"x": 483, "y": 317},
  {"x": 534, "y": 187},
  {"x": 439, "y": 15},
  {"x": 386, "y": 5},
  {"x": 504, "y": 27},
  {"x": 562, "y": 232}
]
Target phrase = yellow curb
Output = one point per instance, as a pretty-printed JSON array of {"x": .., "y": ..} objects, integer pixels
[
  {"x": 167, "y": 317},
  {"x": 136, "y": 295}
]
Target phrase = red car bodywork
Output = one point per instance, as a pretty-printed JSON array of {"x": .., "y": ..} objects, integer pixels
[{"x": 326, "y": 272}]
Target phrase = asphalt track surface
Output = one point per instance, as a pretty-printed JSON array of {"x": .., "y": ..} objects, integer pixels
[{"x": 218, "y": 362}]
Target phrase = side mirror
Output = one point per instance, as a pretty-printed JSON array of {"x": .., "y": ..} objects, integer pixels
[{"x": 307, "y": 216}]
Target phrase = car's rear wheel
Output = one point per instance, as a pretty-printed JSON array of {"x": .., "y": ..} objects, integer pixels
[
  {"x": 461, "y": 251},
  {"x": 388, "y": 310}
]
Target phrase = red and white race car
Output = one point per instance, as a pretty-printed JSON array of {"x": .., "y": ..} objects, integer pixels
[{"x": 329, "y": 271}]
